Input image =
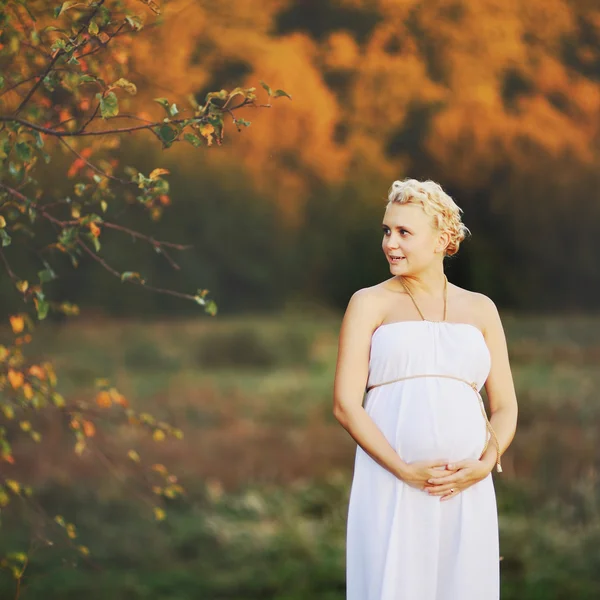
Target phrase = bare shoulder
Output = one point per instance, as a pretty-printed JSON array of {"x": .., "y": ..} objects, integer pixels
[
  {"x": 482, "y": 308},
  {"x": 367, "y": 305}
]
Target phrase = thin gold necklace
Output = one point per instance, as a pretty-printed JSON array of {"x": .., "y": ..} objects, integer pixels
[{"x": 415, "y": 302}]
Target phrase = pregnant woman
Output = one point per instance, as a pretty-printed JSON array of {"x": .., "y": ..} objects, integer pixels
[{"x": 422, "y": 517}]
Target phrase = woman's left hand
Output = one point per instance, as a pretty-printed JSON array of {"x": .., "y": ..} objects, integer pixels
[{"x": 468, "y": 472}]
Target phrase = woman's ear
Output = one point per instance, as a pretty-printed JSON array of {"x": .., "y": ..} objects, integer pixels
[{"x": 443, "y": 241}]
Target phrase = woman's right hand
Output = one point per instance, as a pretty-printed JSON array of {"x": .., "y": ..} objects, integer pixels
[{"x": 417, "y": 474}]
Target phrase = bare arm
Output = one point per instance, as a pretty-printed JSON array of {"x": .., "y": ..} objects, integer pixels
[
  {"x": 350, "y": 381},
  {"x": 499, "y": 385}
]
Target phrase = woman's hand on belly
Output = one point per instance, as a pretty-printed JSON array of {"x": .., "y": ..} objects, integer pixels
[
  {"x": 465, "y": 473},
  {"x": 419, "y": 473}
]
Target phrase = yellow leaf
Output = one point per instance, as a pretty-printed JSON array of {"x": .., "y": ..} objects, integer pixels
[
  {"x": 22, "y": 286},
  {"x": 84, "y": 550},
  {"x": 4, "y": 499},
  {"x": 17, "y": 323},
  {"x": 156, "y": 173},
  {"x": 95, "y": 229},
  {"x": 51, "y": 374},
  {"x": 15, "y": 486},
  {"x": 36, "y": 437},
  {"x": 207, "y": 131},
  {"x": 118, "y": 398},
  {"x": 134, "y": 456},
  {"x": 3, "y": 353},
  {"x": 8, "y": 411},
  {"x": 158, "y": 435},
  {"x": 160, "y": 469},
  {"x": 28, "y": 391},
  {"x": 103, "y": 399},
  {"x": 79, "y": 447},
  {"x": 2, "y": 222},
  {"x": 58, "y": 400},
  {"x": 16, "y": 378},
  {"x": 159, "y": 514},
  {"x": 25, "y": 425},
  {"x": 71, "y": 532}
]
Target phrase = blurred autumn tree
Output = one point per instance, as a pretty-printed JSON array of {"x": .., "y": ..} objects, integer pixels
[
  {"x": 499, "y": 101},
  {"x": 64, "y": 93}
]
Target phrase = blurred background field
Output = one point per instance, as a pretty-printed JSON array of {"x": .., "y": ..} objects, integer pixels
[{"x": 267, "y": 469}]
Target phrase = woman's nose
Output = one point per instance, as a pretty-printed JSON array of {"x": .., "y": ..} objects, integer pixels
[{"x": 392, "y": 241}]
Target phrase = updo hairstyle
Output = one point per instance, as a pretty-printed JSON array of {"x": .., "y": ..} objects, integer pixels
[{"x": 436, "y": 203}]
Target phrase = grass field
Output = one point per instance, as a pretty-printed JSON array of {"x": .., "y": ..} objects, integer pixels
[{"x": 267, "y": 469}]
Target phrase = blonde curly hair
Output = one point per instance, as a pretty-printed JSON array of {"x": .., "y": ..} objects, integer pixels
[{"x": 434, "y": 201}]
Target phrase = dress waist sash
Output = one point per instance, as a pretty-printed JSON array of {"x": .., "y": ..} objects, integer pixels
[{"x": 473, "y": 386}]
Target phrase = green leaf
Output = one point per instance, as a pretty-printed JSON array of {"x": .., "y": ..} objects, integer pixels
[
  {"x": 23, "y": 151},
  {"x": 93, "y": 28},
  {"x": 167, "y": 134},
  {"x": 39, "y": 140},
  {"x": 194, "y": 140},
  {"x": 165, "y": 104},
  {"x": 267, "y": 87},
  {"x": 1, "y": 82},
  {"x": 6, "y": 239},
  {"x": 242, "y": 122},
  {"x": 279, "y": 93},
  {"x": 59, "y": 44},
  {"x": 87, "y": 79},
  {"x": 109, "y": 105},
  {"x": 46, "y": 275},
  {"x": 95, "y": 241},
  {"x": 211, "y": 308},
  {"x": 41, "y": 306}
]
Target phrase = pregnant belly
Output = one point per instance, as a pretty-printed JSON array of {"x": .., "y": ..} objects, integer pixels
[{"x": 442, "y": 422}]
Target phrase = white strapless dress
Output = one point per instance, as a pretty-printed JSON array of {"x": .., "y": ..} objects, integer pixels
[{"x": 403, "y": 544}]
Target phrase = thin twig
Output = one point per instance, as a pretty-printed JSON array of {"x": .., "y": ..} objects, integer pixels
[
  {"x": 94, "y": 167},
  {"x": 145, "y": 237},
  {"x": 114, "y": 272},
  {"x": 7, "y": 266}
]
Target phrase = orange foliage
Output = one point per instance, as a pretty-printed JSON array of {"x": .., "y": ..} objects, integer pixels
[{"x": 455, "y": 59}]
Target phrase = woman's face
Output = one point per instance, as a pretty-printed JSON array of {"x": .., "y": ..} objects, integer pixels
[{"x": 410, "y": 241}]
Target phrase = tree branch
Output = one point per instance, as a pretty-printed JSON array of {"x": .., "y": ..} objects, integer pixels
[
  {"x": 59, "y": 53},
  {"x": 80, "y": 133}
]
